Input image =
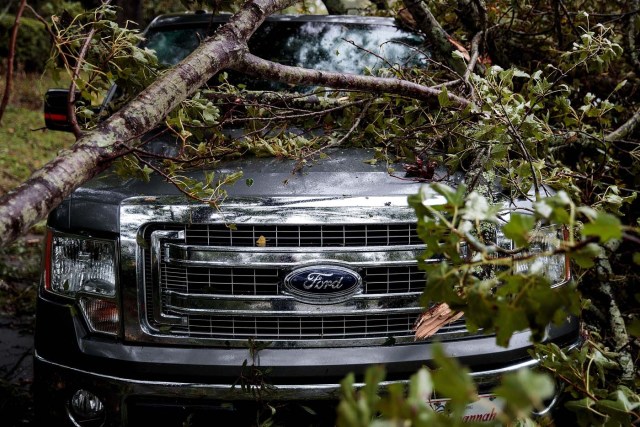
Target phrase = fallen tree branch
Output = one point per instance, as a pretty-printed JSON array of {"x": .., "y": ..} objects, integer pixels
[
  {"x": 252, "y": 65},
  {"x": 21, "y": 208},
  {"x": 24, "y": 206},
  {"x": 626, "y": 129},
  {"x": 473, "y": 60}
]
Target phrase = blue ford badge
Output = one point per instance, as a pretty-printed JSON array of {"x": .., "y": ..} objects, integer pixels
[{"x": 322, "y": 284}]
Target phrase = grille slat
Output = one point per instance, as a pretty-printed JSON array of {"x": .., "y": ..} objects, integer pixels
[
  {"x": 303, "y": 235},
  {"x": 304, "y": 328}
]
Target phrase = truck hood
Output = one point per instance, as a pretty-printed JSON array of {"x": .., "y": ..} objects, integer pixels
[{"x": 344, "y": 173}]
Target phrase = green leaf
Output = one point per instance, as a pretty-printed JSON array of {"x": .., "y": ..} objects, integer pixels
[
  {"x": 585, "y": 256},
  {"x": 524, "y": 390},
  {"x": 604, "y": 226},
  {"x": 453, "y": 381},
  {"x": 518, "y": 228},
  {"x": 443, "y": 97},
  {"x": 249, "y": 182}
]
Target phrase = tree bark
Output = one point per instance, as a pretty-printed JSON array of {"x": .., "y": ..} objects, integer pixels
[
  {"x": 259, "y": 67},
  {"x": 21, "y": 208},
  {"x": 11, "y": 59}
]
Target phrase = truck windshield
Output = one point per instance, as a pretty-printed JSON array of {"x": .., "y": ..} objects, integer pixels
[{"x": 329, "y": 46}]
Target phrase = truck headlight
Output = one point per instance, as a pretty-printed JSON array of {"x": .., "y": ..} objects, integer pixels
[
  {"x": 80, "y": 264},
  {"x": 543, "y": 240},
  {"x": 84, "y": 269}
]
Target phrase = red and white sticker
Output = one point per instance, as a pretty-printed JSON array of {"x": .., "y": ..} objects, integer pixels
[{"x": 485, "y": 409}]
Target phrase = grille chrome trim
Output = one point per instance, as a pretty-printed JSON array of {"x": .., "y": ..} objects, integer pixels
[
  {"x": 251, "y": 257},
  {"x": 189, "y": 303}
]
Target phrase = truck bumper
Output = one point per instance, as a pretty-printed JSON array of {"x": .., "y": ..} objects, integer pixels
[{"x": 128, "y": 379}]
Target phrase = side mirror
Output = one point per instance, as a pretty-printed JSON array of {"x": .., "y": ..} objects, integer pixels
[{"x": 56, "y": 116}]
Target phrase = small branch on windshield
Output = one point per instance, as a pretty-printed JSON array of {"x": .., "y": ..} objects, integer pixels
[
  {"x": 302, "y": 115},
  {"x": 252, "y": 65}
]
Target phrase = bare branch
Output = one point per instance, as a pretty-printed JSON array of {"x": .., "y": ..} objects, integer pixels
[
  {"x": 475, "y": 52},
  {"x": 253, "y": 65},
  {"x": 11, "y": 59},
  {"x": 626, "y": 129}
]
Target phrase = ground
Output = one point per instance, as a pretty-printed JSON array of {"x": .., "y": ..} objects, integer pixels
[
  {"x": 24, "y": 147},
  {"x": 19, "y": 269}
]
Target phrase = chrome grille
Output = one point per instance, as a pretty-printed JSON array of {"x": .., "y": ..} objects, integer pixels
[
  {"x": 221, "y": 281},
  {"x": 308, "y": 328},
  {"x": 195, "y": 294},
  {"x": 266, "y": 281},
  {"x": 303, "y": 235}
]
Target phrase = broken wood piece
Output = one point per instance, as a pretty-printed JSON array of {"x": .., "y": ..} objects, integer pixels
[{"x": 433, "y": 319}]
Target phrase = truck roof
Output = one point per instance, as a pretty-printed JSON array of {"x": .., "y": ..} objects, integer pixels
[{"x": 204, "y": 18}]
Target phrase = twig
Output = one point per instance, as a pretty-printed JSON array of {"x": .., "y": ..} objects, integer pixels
[
  {"x": 11, "y": 59},
  {"x": 475, "y": 52},
  {"x": 380, "y": 57},
  {"x": 557, "y": 23},
  {"x": 298, "y": 116}
]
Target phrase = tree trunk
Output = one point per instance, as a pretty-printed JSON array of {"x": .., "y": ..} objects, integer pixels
[{"x": 21, "y": 208}]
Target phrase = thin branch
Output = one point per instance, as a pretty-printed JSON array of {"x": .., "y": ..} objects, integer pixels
[
  {"x": 626, "y": 129},
  {"x": 11, "y": 59},
  {"x": 475, "y": 52},
  {"x": 302, "y": 115},
  {"x": 356, "y": 123},
  {"x": 252, "y": 65},
  {"x": 557, "y": 23}
]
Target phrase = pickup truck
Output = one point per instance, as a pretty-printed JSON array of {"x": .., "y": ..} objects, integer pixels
[{"x": 151, "y": 305}]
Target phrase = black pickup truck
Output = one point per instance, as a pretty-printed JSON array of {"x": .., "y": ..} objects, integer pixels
[{"x": 151, "y": 304}]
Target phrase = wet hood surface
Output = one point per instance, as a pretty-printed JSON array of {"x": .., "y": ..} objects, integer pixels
[{"x": 343, "y": 173}]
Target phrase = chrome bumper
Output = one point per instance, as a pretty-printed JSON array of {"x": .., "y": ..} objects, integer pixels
[
  {"x": 133, "y": 387},
  {"x": 59, "y": 382}
]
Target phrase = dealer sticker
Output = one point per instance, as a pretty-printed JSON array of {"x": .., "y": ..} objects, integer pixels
[{"x": 485, "y": 409}]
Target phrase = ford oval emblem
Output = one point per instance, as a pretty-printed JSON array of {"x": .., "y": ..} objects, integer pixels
[{"x": 322, "y": 284}]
